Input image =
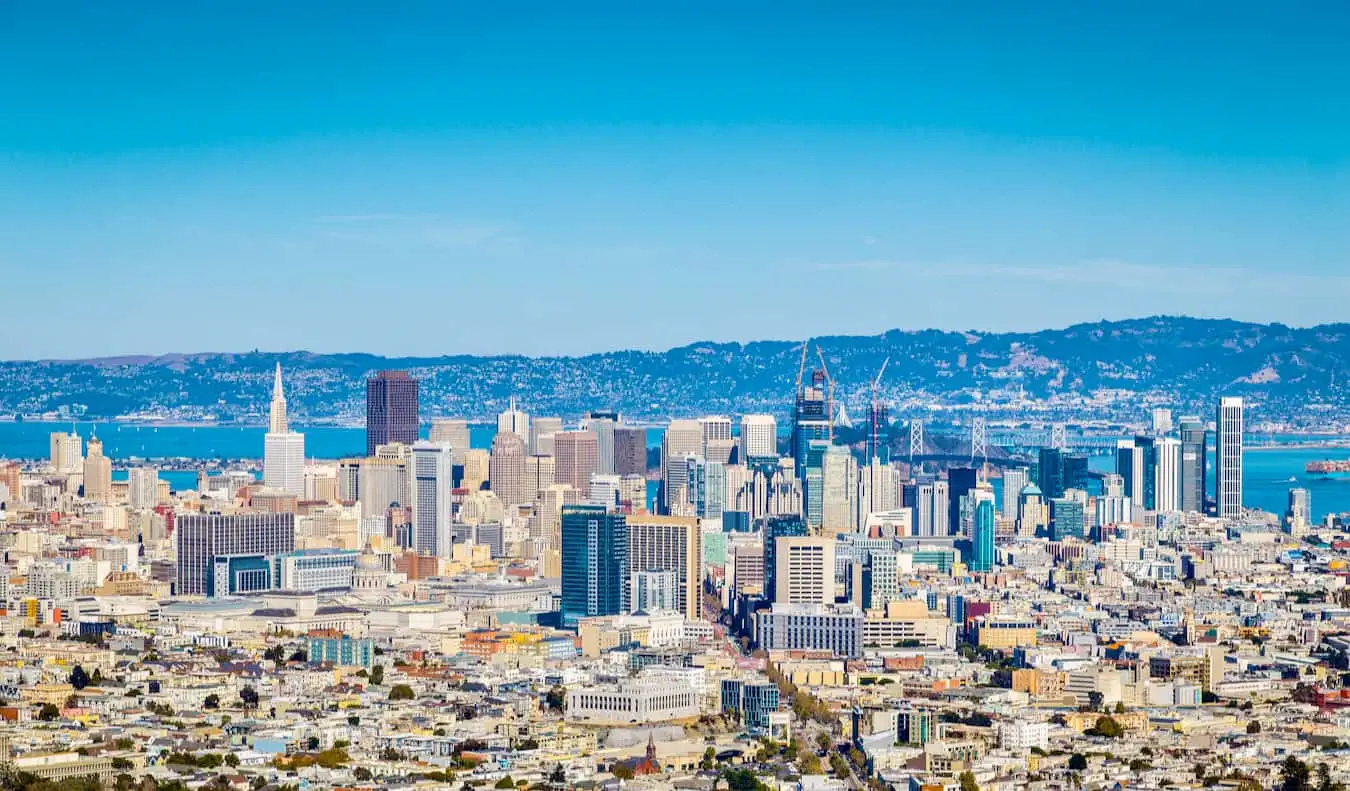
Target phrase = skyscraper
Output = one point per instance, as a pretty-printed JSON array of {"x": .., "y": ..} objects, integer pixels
[
  {"x": 961, "y": 481},
  {"x": 669, "y": 543},
  {"x": 433, "y": 474},
  {"x": 506, "y": 469},
  {"x": 630, "y": 450},
  {"x": 809, "y": 421},
  {"x": 594, "y": 563},
  {"x": 839, "y": 491},
  {"x": 759, "y": 437},
  {"x": 1014, "y": 480},
  {"x": 283, "y": 449},
  {"x": 577, "y": 458},
  {"x": 1194, "y": 458},
  {"x": 67, "y": 453},
  {"x": 454, "y": 432},
  {"x": 514, "y": 421},
  {"x": 201, "y": 538},
  {"x": 542, "y": 432},
  {"x": 1228, "y": 456},
  {"x": 1299, "y": 514},
  {"x": 602, "y": 425},
  {"x": 1167, "y": 475},
  {"x": 1067, "y": 519},
  {"x": 142, "y": 487},
  {"x": 982, "y": 538},
  {"x": 776, "y": 527},
  {"x": 391, "y": 409},
  {"x": 683, "y": 438},
  {"x": 276, "y": 415},
  {"x": 97, "y": 473},
  {"x": 813, "y": 484}
]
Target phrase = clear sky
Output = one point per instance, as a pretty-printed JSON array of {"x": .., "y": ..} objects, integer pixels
[{"x": 564, "y": 177}]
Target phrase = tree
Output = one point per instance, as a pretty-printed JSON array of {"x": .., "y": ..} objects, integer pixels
[
  {"x": 401, "y": 692},
  {"x": 276, "y": 653},
  {"x": 1324, "y": 781},
  {"x": 1095, "y": 700},
  {"x": 312, "y": 744},
  {"x": 1294, "y": 775},
  {"x": 1077, "y": 762},
  {"x": 78, "y": 678},
  {"x": 824, "y": 742},
  {"x": 231, "y": 760},
  {"x": 97, "y": 678},
  {"x": 300, "y": 655},
  {"x": 377, "y": 675},
  {"x": 249, "y": 696},
  {"x": 363, "y": 774},
  {"x": 1120, "y": 707},
  {"x": 709, "y": 756},
  {"x": 505, "y": 782},
  {"x": 556, "y": 699},
  {"x": 48, "y": 712},
  {"x": 623, "y": 772},
  {"x": 558, "y": 775},
  {"x": 1254, "y": 726},
  {"x": 968, "y": 781},
  {"x": 1108, "y": 727},
  {"x": 212, "y": 701},
  {"x": 121, "y": 763}
]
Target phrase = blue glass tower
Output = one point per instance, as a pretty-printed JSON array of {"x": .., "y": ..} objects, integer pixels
[
  {"x": 1066, "y": 519},
  {"x": 594, "y": 563},
  {"x": 982, "y": 555},
  {"x": 776, "y": 527}
]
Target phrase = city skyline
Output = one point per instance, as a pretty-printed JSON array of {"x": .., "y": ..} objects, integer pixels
[{"x": 1020, "y": 165}]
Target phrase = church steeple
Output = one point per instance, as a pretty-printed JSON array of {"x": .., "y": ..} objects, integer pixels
[{"x": 276, "y": 422}]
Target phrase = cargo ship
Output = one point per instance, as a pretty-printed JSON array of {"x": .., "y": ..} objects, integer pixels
[{"x": 1328, "y": 467}]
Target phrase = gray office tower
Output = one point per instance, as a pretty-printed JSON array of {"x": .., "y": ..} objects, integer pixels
[
  {"x": 1194, "y": 458},
  {"x": 202, "y": 538},
  {"x": 630, "y": 450}
]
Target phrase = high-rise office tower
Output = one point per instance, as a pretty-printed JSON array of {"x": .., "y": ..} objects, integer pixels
[
  {"x": 961, "y": 481},
  {"x": 1067, "y": 519},
  {"x": 384, "y": 480},
  {"x": 1298, "y": 516},
  {"x": 683, "y": 438},
  {"x": 879, "y": 489},
  {"x": 630, "y": 450},
  {"x": 1162, "y": 420},
  {"x": 506, "y": 469},
  {"x": 277, "y": 422},
  {"x": 633, "y": 493},
  {"x": 454, "y": 432},
  {"x": 542, "y": 432},
  {"x": 477, "y": 469},
  {"x": 1130, "y": 468},
  {"x": 514, "y": 421},
  {"x": 1228, "y": 427},
  {"x": 602, "y": 425},
  {"x": 540, "y": 473},
  {"x": 669, "y": 543},
  {"x": 810, "y": 421},
  {"x": 982, "y": 536},
  {"x": 715, "y": 428},
  {"x": 759, "y": 437},
  {"x": 706, "y": 486},
  {"x": 804, "y": 570},
  {"x": 776, "y": 527},
  {"x": 604, "y": 490},
  {"x": 202, "y": 538},
  {"x": 1146, "y": 449},
  {"x": 813, "y": 484},
  {"x": 1014, "y": 480},
  {"x": 283, "y": 449},
  {"x": 1050, "y": 472},
  {"x": 10, "y": 482},
  {"x": 1193, "y": 463},
  {"x": 433, "y": 467},
  {"x": 1167, "y": 475},
  {"x": 578, "y": 458},
  {"x": 97, "y": 473},
  {"x": 142, "y": 487},
  {"x": 67, "y": 453},
  {"x": 595, "y": 565},
  {"x": 839, "y": 490},
  {"x": 391, "y": 409}
]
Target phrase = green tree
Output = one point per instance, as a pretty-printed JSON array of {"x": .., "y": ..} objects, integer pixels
[
  {"x": 709, "y": 756},
  {"x": 231, "y": 760},
  {"x": 1077, "y": 762},
  {"x": 48, "y": 712},
  {"x": 824, "y": 742},
  {"x": 505, "y": 782},
  {"x": 1108, "y": 727},
  {"x": 1120, "y": 707},
  {"x": 377, "y": 675},
  {"x": 556, "y": 699},
  {"x": 78, "y": 678},
  {"x": 1294, "y": 775},
  {"x": 1254, "y": 726},
  {"x": 623, "y": 772},
  {"x": 1324, "y": 781},
  {"x": 968, "y": 781},
  {"x": 212, "y": 701},
  {"x": 401, "y": 692},
  {"x": 249, "y": 696},
  {"x": 363, "y": 774}
]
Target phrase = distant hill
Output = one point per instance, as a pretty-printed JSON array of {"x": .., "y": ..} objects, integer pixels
[{"x": 1183, "y": 362}]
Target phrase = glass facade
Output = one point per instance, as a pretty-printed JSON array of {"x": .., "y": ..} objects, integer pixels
[{"x": 594, "y": 563}]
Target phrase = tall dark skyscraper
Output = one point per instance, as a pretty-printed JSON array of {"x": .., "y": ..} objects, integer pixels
[
  {"x": 1050, "y": 472},
  {"x": 960, "y": 482},
  {"x": 809, "y": 421},
  {"x": 391, "y": 409},
  {"x": 1194, "y": 460},
  {"x": 630, "y": 450},
  {"x": 594, "y": 563}
]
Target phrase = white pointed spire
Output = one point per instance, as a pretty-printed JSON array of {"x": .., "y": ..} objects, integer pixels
[{"x": 276, "y": 422}]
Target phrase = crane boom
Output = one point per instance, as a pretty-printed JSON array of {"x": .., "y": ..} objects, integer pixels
[
  {"x": 801, "y": 369},
  {"x": 829, "y": 404}
]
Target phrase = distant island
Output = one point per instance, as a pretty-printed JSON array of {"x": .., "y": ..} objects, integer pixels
[{"x": 1116, "y": 370}]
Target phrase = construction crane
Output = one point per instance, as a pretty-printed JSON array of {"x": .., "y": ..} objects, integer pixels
[
  {"x": 801, "y": 369},
  {"x": 876, "y": 408},
  {"x": 829, "y": 402}
]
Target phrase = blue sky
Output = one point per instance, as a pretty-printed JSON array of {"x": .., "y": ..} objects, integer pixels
[{"x": 428, "y": 178}]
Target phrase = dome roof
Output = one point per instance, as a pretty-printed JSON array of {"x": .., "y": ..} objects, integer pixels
[
  {"x": 1032, "y": 488},
  {"x": 369, "y": 561}
]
